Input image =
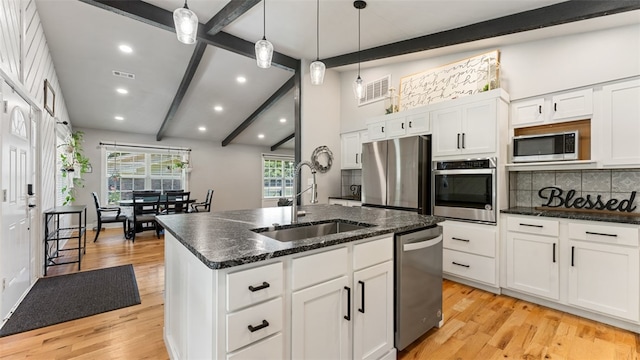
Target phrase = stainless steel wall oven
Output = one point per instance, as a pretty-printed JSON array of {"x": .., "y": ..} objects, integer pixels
[{"x": 465, "y": 189}]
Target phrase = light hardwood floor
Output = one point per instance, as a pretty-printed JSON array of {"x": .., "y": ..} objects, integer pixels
[{"x": 478, "y": 325}]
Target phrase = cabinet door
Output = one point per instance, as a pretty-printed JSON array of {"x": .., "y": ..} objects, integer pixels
[
  {"x": 395, "y": 127},
  {"x": 604, "y": 278},
  {"x": 479, "y": 128},
  {"x": 351, "y": 151},
  {"x": 527, "y": 112},
  {"x": 621, "y": 123},
  {"x": 418, "y": 123},
  {"x": 447, "y": 131},
  {"x": 373, "y": 311},
  {"x": 377, "y": 130},
  {"x": 319, "y": 329},
  {"x": 573, "y": 105},
  {"x": 532, "y": 264}
]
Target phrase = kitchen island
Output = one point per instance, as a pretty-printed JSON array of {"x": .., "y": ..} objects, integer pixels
[{"x": 233, "y": 293}]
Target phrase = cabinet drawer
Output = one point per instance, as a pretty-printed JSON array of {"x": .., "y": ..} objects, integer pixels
[
  {"x": 248, "y": 287},
  {"x": 316, "y": 268},
  {"x": 478, "y": 239},
  {"x": 271, "y": 348},
  {"x": 470, "y": 266},
  {"x": 533, "y": 225},
  {"x": 372, "y": 252},
  {"x": 619, "y": 234},
  {"x": 238, "y": 332}
]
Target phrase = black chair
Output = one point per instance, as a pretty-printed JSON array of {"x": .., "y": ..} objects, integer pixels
[
  {"x": 146, "y": 205},
  {"x": 204, "y": 206},
  {"x": 107, "y": 215},
  {"x": 176, "y": 202}
]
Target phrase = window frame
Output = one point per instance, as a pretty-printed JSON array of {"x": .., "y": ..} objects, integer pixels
[{"x": 285, "y": 191}]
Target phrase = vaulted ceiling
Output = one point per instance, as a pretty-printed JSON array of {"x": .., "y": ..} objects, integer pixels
[{"x": 177, "y": 86}]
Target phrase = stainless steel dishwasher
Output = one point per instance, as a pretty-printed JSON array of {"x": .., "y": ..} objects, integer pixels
[{"x": 418, "y": 284}]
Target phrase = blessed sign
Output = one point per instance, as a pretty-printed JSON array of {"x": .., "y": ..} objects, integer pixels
[{"x": 570, "y": 200}]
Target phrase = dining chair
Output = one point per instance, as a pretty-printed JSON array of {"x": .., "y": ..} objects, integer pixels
[
  {"x": 204, "y": 206},
  {"x": 176, "y": 202},
  {"x": 108, "y": 214},
  {"x": 146, "y": 205}
]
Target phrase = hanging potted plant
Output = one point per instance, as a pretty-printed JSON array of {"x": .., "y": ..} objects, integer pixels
[{"x": 74, "y": 165}]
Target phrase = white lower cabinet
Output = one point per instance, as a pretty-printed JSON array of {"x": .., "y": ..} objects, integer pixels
[
  {"x": 332, "y": 303},
  {"x": 583, "y": 265}
]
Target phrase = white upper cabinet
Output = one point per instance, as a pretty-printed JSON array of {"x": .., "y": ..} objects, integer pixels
[
  {"x": 405, "y": 123},
  {"x": 351, "y": 149},
  {"x": 620, "y": 124},
  {"x": 569, "y": 106}
]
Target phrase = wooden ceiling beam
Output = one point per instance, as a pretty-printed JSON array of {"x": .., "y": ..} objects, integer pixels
[
  {"x": 275, "y": 146},
  {"x": 282, "y": 91},
  {"x": 229, "y": 13},
  {"x": 556, "y": 14}
]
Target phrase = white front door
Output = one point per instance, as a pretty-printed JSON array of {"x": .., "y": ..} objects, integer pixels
[{"x": 17, "y": 172}]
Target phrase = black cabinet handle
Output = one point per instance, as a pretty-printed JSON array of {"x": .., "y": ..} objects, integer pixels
[
  {"x": 540, "y": 109},
  {"x": 258, "y": 288},
  {"x": 555, "y": 106},
  {"x": 383, "y": 129},
  {"x": 463, "y": 140},
  {"x": 531, "y": 225},
  {"x": 402, "y": 125},
  {"x": 410, "y": 123},
  {"x": 264, "y": 324},
  {"x": 356, "y": 158},
  {"x": 572, "y": 249},
  {"x": 362, "y": 293},
  {"x": 554, "y": 252},
  {"x": 463, "y": 265},
  {"x": 458, "y": 140},
  {"x": 465, "y": 240},
  {"x": 601, "y": 234},
  {"x": 348, "y": 316}
]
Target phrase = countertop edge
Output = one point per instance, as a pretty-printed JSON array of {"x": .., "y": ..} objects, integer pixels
[{"x": 573, "y": 215}]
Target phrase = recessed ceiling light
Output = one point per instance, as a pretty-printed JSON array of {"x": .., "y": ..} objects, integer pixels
[
  {"x": 122, "y": 91},
  {"x": 283, "y": 120},
  {"x": 118, "y": 118},
  {"x": 202, "y": 128},
  {"x": 260, "y": 136},
  {"x": 217, "y": 108},
  {"x": 125, "y": 49},
  {"x": 241, "y": 79}
]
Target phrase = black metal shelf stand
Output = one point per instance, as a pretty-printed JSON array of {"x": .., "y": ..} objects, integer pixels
[{"x": 53, "y": 234}]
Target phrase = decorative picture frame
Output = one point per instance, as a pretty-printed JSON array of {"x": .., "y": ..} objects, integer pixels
[{"x": 49, "y": 98}]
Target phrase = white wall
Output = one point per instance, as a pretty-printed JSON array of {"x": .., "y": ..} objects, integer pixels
[
  {"x": 526, "y": 69},
  {"x": 320, "y": 117},
  {"x": 233, "y": 171}
]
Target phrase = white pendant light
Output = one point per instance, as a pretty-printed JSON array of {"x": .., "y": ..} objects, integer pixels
[
  {"x": 186, "y": 23},
  {"x": 358, "y": 87},
  {"x": 264, "y": 49},
  {"x": 317, "y": 67}
]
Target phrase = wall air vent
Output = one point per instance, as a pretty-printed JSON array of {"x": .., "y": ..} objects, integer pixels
[
  {"x": 123, "y": 74},
  {"x": 375, "y": 90}
]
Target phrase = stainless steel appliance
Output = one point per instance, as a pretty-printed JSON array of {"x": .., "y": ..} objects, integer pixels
[
  {"x": 546, "y": 147},
  {"x": 396, "y": 174},
  {"x": 418, "y": 279},
  {"x": 465, "y": 189}
]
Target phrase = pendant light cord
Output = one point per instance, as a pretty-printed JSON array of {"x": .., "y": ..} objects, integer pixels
[
  {"x": 359, "y": 42},
  {"x": 264, "y": 19},
  {"x": 317, "y": 30}
]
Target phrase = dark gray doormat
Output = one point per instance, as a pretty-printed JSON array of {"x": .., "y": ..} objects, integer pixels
[{"x": 57, "y": 299}]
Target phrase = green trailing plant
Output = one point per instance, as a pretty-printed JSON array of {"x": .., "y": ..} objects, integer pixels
[{"x": 74, "y": 165}]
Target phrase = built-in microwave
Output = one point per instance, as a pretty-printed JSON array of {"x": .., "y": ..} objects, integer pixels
[{"x": 546, "y": 147}]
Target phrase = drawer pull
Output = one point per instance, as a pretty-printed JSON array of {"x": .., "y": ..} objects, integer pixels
[
  {"x": 601, "y": 234},
  {"x": 572, "y": 251},
  {"x": 264, "y": 324},
  {"x": 463, "y": 265},
  {"x": 554, "y": 252},
  {"x": 362, "y": 308},
  {"x": 258, "y": 288},
  {"x": 348, "y": 316},
  {"x": 531, "y": 225},
  {"x": 465, "y": 240}
]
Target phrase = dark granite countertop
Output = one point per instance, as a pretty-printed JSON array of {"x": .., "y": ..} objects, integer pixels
[
  {"x": 573, "y": 215},
  {"x": 346, "y": 197},
  {"x": 224, "y": 239}
]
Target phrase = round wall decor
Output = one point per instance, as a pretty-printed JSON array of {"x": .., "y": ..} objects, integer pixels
[{"x": 322, "y": 158}]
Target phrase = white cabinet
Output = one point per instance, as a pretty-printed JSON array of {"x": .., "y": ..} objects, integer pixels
[
  {"x": 620, "y": 124},
  {"x": 464, "y": 130},
  {"x": 418, "y": 123},
  {"x": 470, "y": 252},
  {"x": 604, "y": 269},
  {"x": 532, "y": 256},
  {"x": 411, "y": 122},
  {"x": 351, "y": 146},
  {"x": 568, "y": 106}
]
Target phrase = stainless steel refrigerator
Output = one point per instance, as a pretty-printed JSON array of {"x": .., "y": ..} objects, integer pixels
[{"x": 396, "y": 174}]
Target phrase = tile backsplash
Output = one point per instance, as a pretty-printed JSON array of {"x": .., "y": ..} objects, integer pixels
[
  {"x": 350, "y": 177},
  {"x": 610, "y": 184}
]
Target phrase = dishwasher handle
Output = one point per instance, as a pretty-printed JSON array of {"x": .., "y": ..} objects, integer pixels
[{"x": 421, "y": 244}]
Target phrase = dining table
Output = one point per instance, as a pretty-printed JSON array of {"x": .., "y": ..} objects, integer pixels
[{"x": 141, "y": 202}]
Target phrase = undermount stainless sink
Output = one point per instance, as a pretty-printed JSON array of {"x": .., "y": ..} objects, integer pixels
[{"x": 311, "y": 230}]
